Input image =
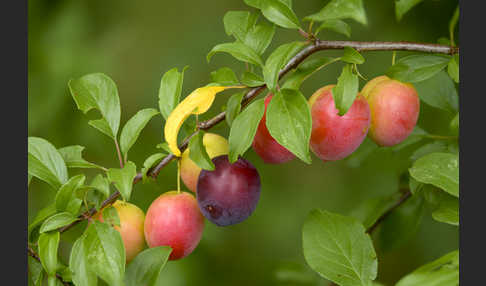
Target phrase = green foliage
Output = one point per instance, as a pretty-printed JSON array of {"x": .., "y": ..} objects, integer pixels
[
  {"x": 244, "y": 128},
  {"x": 416, "y": 68},
  {"x": 280, "y": 13},
  {"x": 170, "y": 90},
  {"x": 289, "y": 122},
  {"x": 402, "y": 223},
  {"x": 46, "y": 163},
  {"x": 224, "y": 76},
  {"x": 352, "y": 56},
  {"x": 305, "y": 70},
  {"x": 439, "y": 91},
  {"x": 133, "y": 127},
  {"x": 251, "y": 79},
  {"x": 238, "y": 50},
  {"x": 335, "y": 25},
  {"x": 43, "y": 214},
  {"x": 66, "y": 199},
  {"x": 57, "y": 221},
  {"x": 341, "y": 9},
  {"x": 197, "y": 152},
  {"x": 36, "y": 273},
  {"x": 403, "y": 6},
  {"x": 338, "y": 248},
  {"x": 150, "y": 162},
  {"x": 98, "y": 91},
  {"x": 345, "y": 90},
  {"x": 106, "y": 253},
  {"x": 110, "y": 216},
  {"x": 73, "y": 157},
  {"x": 370, "y": 210},
  {"x": 123, "y": 179},
  {"x": 453, "y": 68},
  {"x": 234, "y": 107},
  {"x": 48, "y": 244},
  {"x": 453, "y": 23},
  {"x": 277, "y": 60},
  {"x": 146, "y": 268},
  {"x": 443, "y": 271},
  {"x": 438, "y": 169},
  {"x": 82, "y": 275}
]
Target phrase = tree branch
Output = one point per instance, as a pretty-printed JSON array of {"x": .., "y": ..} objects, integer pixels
[
  {"x": 34, "y": 255},
  {"x": 318, "y": 45}
]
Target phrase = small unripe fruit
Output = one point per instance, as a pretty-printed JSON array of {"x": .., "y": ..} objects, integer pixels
[
  {"x": 174, "y": 219},
  {"x": 335, "y": 137},
  {"x": 395, "y": 108},
  {"x": 215, "y": 145},
  {"x": 266, "y": 146},
  {"x": 229, "y": 194},
  {"x": 131, "y": 227}
]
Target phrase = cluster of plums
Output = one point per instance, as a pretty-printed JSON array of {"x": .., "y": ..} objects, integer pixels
[{"x": 385, "y": 109}]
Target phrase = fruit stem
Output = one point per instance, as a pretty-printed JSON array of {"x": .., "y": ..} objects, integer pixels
[
  {"x": 178, "y": 176},
  {"x": 393, "y": 57},
  {"x": 441, "y": 137},
  {"x": 119, "y": 153}
]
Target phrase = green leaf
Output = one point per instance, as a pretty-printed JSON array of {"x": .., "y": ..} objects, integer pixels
[
  {"x": 335, "y": 25},
  {"x": 133, "y": 127},
  {"x": 43, "y": 214},
  {"x": 244, "y": 128},
  {"x": 79, "y": 266},
  {"x": 338, "y": 248},
  {"x": 436, "y": 146},
  {"x": 224, "y": 76},
  {"x": 352, "y": 56},
  {"x": 238, "y": 23},
  {"x": 98, "y": 91},
  {"x": 438, "y": 169},
  {"x": 164, "y": 146},
  {"x": 101, "y": 184},
  {"x": 170, "y": 91},
  {"x": 341, "y": 9},
  {"x": 151, "y": 162},
  {"x": 197, "y": 152},
  {"x": 36, "y": 271},
  {"x": 453, "y": 68},
  {"x": 345, "y": 90},
  {"x": 402, "y": 223},
  {"x": 233, "y": 107},
  {"x": 415, "y": 68},
  {"x": 259, "y": 37},
  {"x": 238, "y": 50},
  {"x": 110, "y": 216},
  {"x": 73, "y": 157},
  {"x": 105, "y": 252},
  {"x": 45, "y": 162},
  {"x": 123, "y": 179},
  {"x": 289, "y": 122},
  {"x": 439, "y": 91},
  {"x": 403, "y": 6},
  {"x": 66, "y": 199},
  {"x": 48, "y": 244},
  {"x": 279, "y": 13},
  {"x": 414, "y": 137},
  {"x": 57, "y": 221},
  {"x": 454, "y": 125},
  {"x": 370, "y": 210},
  {"x": 277, "y": 60},
  {"x": 305, "y": 70},
  {"x": 448, "y": 210},
  {"x": 147, "y": 266},
  {"x": 453, "y": 23},
  {"x": 443, "y": 271},
  {"x": 251, "y": 79}
]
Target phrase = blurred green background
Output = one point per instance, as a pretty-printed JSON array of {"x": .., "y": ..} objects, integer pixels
[{"x": 135, "y": 42}]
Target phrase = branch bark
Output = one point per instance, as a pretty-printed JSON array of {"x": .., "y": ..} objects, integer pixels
[{"x": 317, "y": 45}]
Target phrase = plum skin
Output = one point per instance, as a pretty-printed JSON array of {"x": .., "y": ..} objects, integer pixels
[
  {"x": 174, "y": 219},
  {"x": 335, "y": 137},
  {"x": 215, "y": 145},
  {"x": 395, "y": 107},
  {"x": 229, "y": 194},
  {"x": 266, "y": 146},
  {"x": 131, "y": 227}
]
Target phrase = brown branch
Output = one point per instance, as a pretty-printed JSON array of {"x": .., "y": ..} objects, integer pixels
[
  {"x": 318, "y": 45},
  {"x": 34, "y": 255}
]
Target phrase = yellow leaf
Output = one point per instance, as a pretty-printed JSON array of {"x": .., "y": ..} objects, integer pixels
[{"x": 198, "y": 102}]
